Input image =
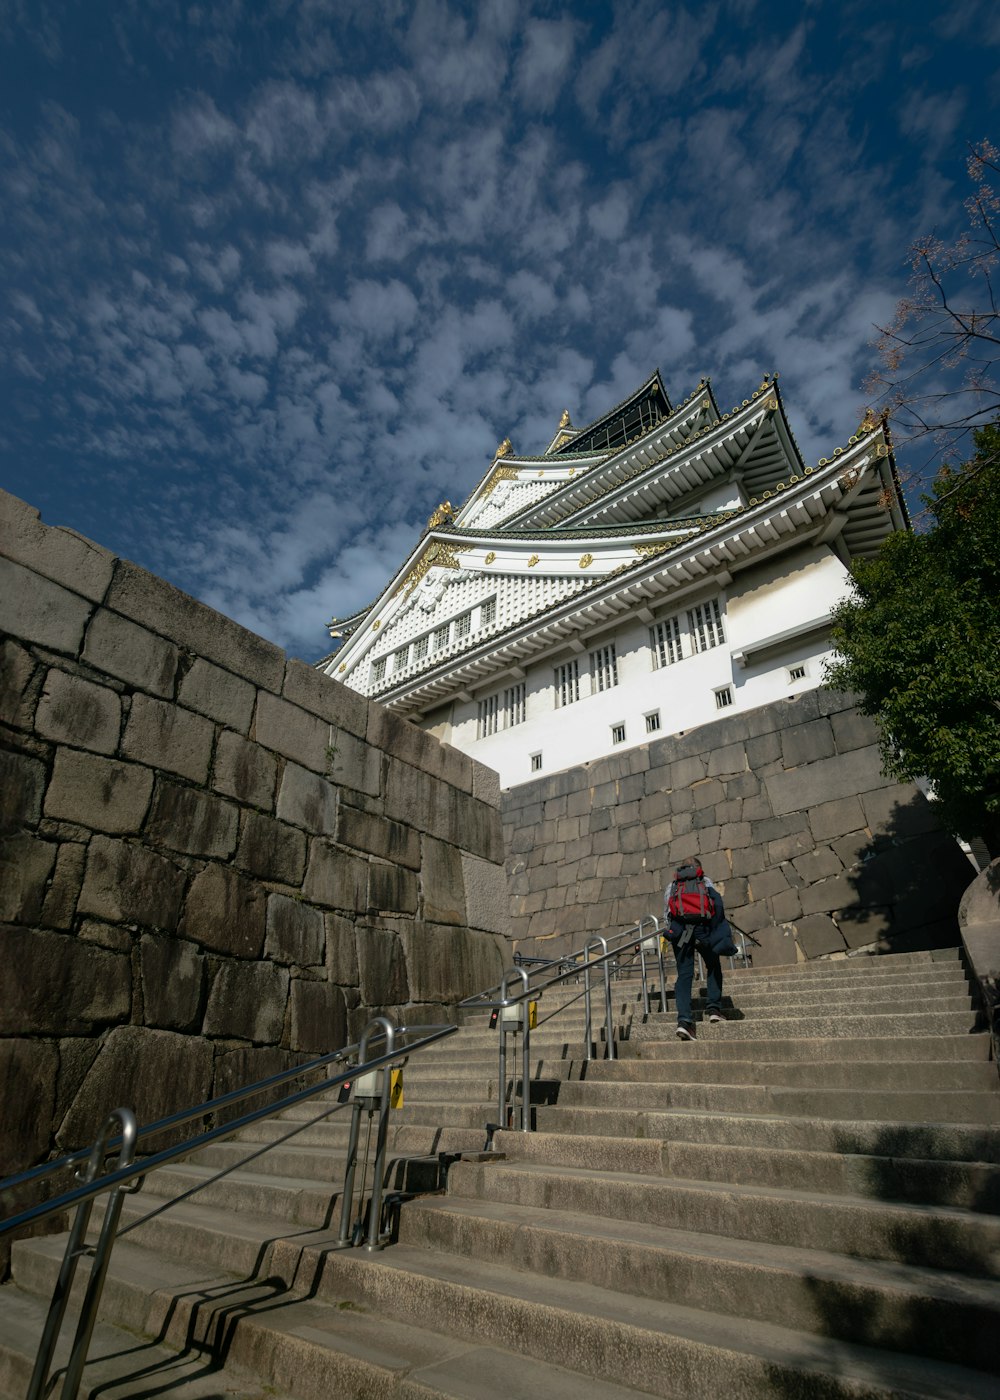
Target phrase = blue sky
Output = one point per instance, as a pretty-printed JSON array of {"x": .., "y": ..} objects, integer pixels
[{"x": 277, "y": 277}]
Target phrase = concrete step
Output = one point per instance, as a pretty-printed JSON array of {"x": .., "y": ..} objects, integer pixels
[
  {"x": 969, "y": 1185},
  {"x": 863, "y": 1074},
  {"x": 805, "y": 1049},
  {"x": 935, "y": 1237},
  {"x": 851, "y": 1299},
  {"x": 861, "y": 1026}
]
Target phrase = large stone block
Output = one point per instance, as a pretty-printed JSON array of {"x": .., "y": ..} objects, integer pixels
[
  {"x": 728, "y": 762},
  {"x": 271, "y": 850},
  {"x": 247, "y": 1000},
  {"x": 226, "y": 912},
  {"x": 125, "y": 881},
  {"x": 826, "y": 895},
  {"x": 336, "y": 878},
  {"x": 186, "y": 819},
  {"x": 845, "y": 775},
  {"x": 382, "y": 967},
  {"x": 64, "y": 890},
  {"x": 293, "y": 732},
  {"x": 899, "y": 810},
  {"x": 237, "y": 1069},
  {"x": 340, "y": 706},
  {"x": 98, "y": 792},
  {"x": 308, "y": 800},
  {"x": 763, "y": 750},
  {"x": 165, "y": 736},
  {"x": 56, "y": 985},
  {"x": 817, "y": 865},
  {"x": 133, "y": 654},
  {"x": 20, "y": 680},
  {"x": 767, "y": 882},
  {"x": 807, "y": 743},
  {"x": 162, "y": 608},
  {"x": 295, "y": 932},
  {"x": 40, "y": 611},
  {"x": 864, "y": 926},
  {"x": 853, "y": 730},
  {"x": 777, "y": 947},
  {"x": 318, "y": 1019},
  {"x": 218, "y": 694},
  {"x": 355, "y": 765},
  {"x": 156, "y": 1072},
  {"x": 173, "y": 974},
  {"x": 831, "y": 819},
  {"x": 686, "y": 771},
  {"x": 366, "y": 831},
  {"x": 22, "y": 783},
  {"x": 27, "y": 1091},
  {"x": 391, "y": 889},
  {"x": 818, "y": 935},
  {"x": 74, "y": 711},
  {"x": 786, "y": 907},
  {"x": 486, "y": 785},
  {"x": 341, "y": 950},
  {"x": 485, "y": 895},
  {"x": 445, "y": 963},
  {"x": 245, "y": 771},
  {"x": 442, "y": 882},
  {"x": 52, "y": 551}
]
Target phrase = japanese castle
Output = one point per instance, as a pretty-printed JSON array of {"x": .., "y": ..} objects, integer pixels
[{"x": 643, "y": 574}]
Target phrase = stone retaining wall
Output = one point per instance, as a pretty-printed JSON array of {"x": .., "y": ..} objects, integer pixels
[
  {"x": 215, "y": 863},
  {"x": 816, "y": 852}
]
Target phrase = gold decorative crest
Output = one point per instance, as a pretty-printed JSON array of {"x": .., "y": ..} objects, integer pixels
[
  {"x": 564, "y": 420},
  {"x": 342, "y": 667},
  {"x": 376, "y": 624},
  {"x": 869, "y": 422},
  {"x": 500, "y": 474},
  {"x": 504, "y": 449},
  {"x": 645, "y": 551},
  {"x": 532, "y": 561},
  {"x": 443, "y": 513},
  {"x": 437, "y": 555},
  {"x": 882, "y": 450},
  {"x": 490, "y": 557},
  {"x": 586, "y": 560}
]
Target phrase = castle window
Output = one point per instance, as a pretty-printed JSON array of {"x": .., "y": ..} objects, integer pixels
[
  {"x": 652, "y": 722},
  {"x": 604, "y": 667},
  {"x": 724, "y": 697},
  {"x": 463, "y": 625},
  {"x": 378, "y": 669},
  {"x": 489, "y": 716},
  {"x": 618, "y": 733},
  {"x": 536, "y": 763},
  {"x": 441, "y": 637},
  {"x": 420, "y": 647},
  {"x": 513, "y": 705},
  {"x": 488, "y": 612},
  {"x": 797, "y": 673},
  {"x": 567, "y": 683},
  {"x": 665, "y": 640},
  {"x": 400, "y": 658},
  {"x": 501, "y": 710},
  {"x": 705, "y": 623}
]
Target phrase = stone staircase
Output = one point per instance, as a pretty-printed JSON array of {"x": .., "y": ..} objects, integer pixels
[{"x": 804, "y": 1202}]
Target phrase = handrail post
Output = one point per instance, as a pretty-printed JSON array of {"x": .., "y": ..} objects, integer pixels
[
  {"x": 344, "y": 1235},
  {"x": 514, "y": 972},
  {"x": 375, "y": 1210},
  {"x": 603, "y": 944},
  {"x": 642, "y": 971},
  {"x": 38, "y": 1385}
]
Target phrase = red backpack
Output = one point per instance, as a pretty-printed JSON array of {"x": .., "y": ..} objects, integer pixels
[{"x": 690, "y": 900}]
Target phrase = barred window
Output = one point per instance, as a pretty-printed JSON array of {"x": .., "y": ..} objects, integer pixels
[
  {"x": 513, "y": 705},
  {"x": 488, "y": 612},
  {"x": 665, "y": 640},
  {"x": 489, "y": 716},
  {"x": 420, "y": 647},
  {"x": 400, "y": 658},
  {"x": 724, "y": 698},
  {"x": 705, "y": 622},
  {"x": 536, "y": 763},
  {"x": 604, "y": 667},
  {"x": 441, "y": 636},
  {"x": 618, "y": 733},
  {"x": 652, "y": 722},
  {"x": 567, "y": 683},
  {"x": 463, "y": 625},
  {"x": 378, "y": 668},
  {"x": 797, "y": 673}
]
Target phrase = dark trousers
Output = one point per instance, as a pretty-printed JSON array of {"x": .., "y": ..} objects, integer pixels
[{"x": 685, "y": 976}]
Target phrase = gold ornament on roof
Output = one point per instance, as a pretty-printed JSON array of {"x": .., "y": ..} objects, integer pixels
[
  {"x": 532, "y": 561},
  {"x": 443, "y": 513},
  {"x": 869, "y": 422},
  {"x": 342, "y": 667},
  {"x": 586, "y": 560},
  {"x": 490, "y": 557},
  {"x": 564, "y": 421},
  {"x": 504, "y": 449},
  {"x": 500, "y": 474},
  {"x": 850, "y": 479}
]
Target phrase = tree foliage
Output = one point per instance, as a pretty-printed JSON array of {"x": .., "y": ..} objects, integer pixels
[{"x": 919, "y": 641}]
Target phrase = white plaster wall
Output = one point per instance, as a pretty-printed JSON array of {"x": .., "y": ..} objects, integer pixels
[{"x": 784, "y": 593}]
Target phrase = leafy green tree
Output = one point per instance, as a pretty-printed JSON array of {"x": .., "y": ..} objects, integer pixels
[{"x": 919, "y": 641}]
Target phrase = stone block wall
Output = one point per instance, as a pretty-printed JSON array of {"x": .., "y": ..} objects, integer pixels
[
  {"x": 215, "y": 862},
  {"x": 816, "y": 852}
]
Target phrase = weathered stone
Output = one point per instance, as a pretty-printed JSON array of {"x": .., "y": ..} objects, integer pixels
[
  {"x": 854, "y": 848},
  {"x": 786, "y": 906},
  {"x": 126, "y": 881},
  {"x": 446, "y": 964},
  {"x": 748, "y": 860},
  {"x": 322, "y": 695},
  {"x": 162, "y": 608},
  {"x": 365, "y": 831},
  {"x": 898, "y": 810},
  {"x": 295, "y": 932},
  {"x": 318, "y": 1020},
  {"x": 172, "y": 979},
  {"x": 218, "y": 694},
  {"x": 271, "y": 850},
  {"x": 111, "y": 936},
  {"x": 844, "y": 775},
  {"x": 707, "y": 794},
  {"x": 308, "y": 800},
  {"x": 391, "y": 889},
  {"x": 22, "y": 783},
  {"x": 853, "y": 730},
  {"x": 777, "y": 947},
  {"x": 63, "y": 892},
  {"x": 807, "y": 743},
  {"x": 52, "y": 551},
  {"x": 155, "y": 1072},
  {"x": 486, "y": 784},
  {"x": 40, "y": 611},
  {"x": 355, "y": 765},
  {"x": 244, "y": 770},
  {"x": 336, "y": 878},
  {"x": 442, "y": 882},
  {"x": 764, "y": 749},
  {"x": 863, "y": 926},
  {"x": 99, "y": 792},
  {"x": 131, "y": 653},
  {"x": 756, "y": 809},
  {"x": 788, "y": 847},
  {"x": 164, "y": 736},
  {"x": 826, "y": 895},
  {"x": 27, "y": 1091},
  {"x": 735, "y": 834},
  {"x": 767, "y": 882},
  {"x": 485, "y": 895},
  {"x": 56, "y": 985},
  {"x": 74, "y": 711},
  {"x": 818, "y": 935},
  {"x": 293, "y": 732},
  {"x": 20, "y": 679},
  {"x": 341, "y": 950},
  {"x": 727, "y": 761},
  {"x": 226, "y": 912},
  {"x": 26, "y": 864},
  {"x": 248, "y": 1000},
  {"x": 235, "y": 1069},
  {"x": 186, "y": 819},
  {"x": 382, "y": 966},
  {"x": 831, "y": 819},
  {"x": 817, "y": 865},
  {"x": 686, "y": 771}
]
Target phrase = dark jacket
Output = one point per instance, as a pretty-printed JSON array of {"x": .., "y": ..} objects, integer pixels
[{"x": 716, "y": 936}]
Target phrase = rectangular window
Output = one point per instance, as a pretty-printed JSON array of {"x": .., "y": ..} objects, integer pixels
[
  {"x": 705, "y": 622},
  {"x": 513, "y": 705},
  {"x": 604, "y": 667},
  {"x": 653, "y": 722},
  {"x": 567, "y": 683},
  {"x": 536, "y": 763},
  {"x": 488, "y": 612},
  {"x": 724, "y": 698},
  {"x": 489, "y": 716},
  {"x": 618, "y": 733},
  {"x": 441, "y": 637},
  {"x": 463, "y": 625},
  {"x": 378, "y": 669},
  {"x": 420, "y": 647},
  {"x": 400, "y": 658},
  {"x": 796, "y": 673},
  {"x": 665, "y": 640}
]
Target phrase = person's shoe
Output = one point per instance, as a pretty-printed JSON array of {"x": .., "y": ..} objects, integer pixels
[
  {"x": 685, "y": 1030},
  {"x": 715, "y": 1015}
]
